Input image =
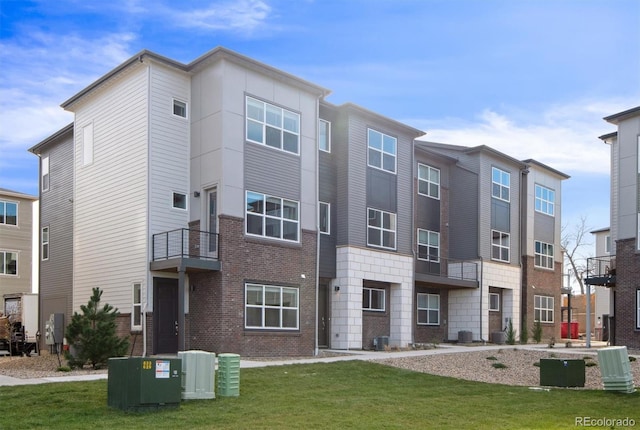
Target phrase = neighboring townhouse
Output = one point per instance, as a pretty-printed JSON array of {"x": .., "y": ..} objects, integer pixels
[
  {"x": 623, "y": 271},
  {"x": 601, "y": 264},
  {"x": 16, "y": 242},
  {"x": 56, "y": 226},
  {"x": 225, "y": 205}
]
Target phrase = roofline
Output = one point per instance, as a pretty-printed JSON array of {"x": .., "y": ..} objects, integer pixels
[
  {"x": 216, "y": 53},
  {"x": 481, "y": 148},
  {"x": 608, "y": 136},
  {"x": 431, "y": 152},
  {"x": 600, "y": 230},
  {"x": 35, "y": 149},
  {"x": 393, "y": 122},
  {"x": 17, "y": 194},
  {"x": 544, "y": 166},
  {"x": 620, "y": 116}
]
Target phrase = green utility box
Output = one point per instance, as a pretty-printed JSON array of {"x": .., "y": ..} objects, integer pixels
[
  {"x": 559, "y": 372},
  {"x": 228, "y": 375},
  {"x": 144, "y": 383}
]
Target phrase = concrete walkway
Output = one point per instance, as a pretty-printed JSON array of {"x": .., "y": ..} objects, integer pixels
[{"x": 577, "y": 348}]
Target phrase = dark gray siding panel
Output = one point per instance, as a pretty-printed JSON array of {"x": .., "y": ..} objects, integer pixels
[
  {"x": 382, "y": 190},
  {"x": 500, "y": 215},
  {"x": 271, "y": 171},
  {"x": 428, "y": 213},
  {"x": 544, "y": 227},
  {"x": 463, "y": 215}
]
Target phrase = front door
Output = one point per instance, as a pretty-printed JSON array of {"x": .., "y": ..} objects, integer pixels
[
  {"x": 165, "y": 316},
  {"x": 323, "y": 316}
]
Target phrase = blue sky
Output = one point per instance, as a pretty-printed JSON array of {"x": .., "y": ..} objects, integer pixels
[{"x": 530, "y": 78}]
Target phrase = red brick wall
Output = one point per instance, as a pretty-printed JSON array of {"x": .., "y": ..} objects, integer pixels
[
  {"x": 216, "y": 300},
  {"x": 547, "y": 283},
  {"x": 627, "y": 282}
]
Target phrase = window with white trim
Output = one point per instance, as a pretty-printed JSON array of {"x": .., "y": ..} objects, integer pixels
[
  {"x": 271, "y": 307},
  {"x": 44, "y": 250},
  {"x": 494, "y": 302},
  {"x": 324, "y": 135},
  {"x": 179, "y": 108},
  {"x": 429, "y": 181},
  {"x": 545, "y": 200},
  {"x": 44, "y": 184},
  {"x": 8, "y": 212},
  {"x": 373, "y": 299},
  {"x": 543, "y": 255},
  {"x": 607, "y": 244},
  {"x": 273, "y": 217},
  {"x": 500, "y": 184},
  {"x": 381, "y": 229},
  {"x": 543, "y": 309},
  {"x": 9, "y": 263},
  {"x": 136, "y": 308},
  {"x": 324, "y": 217},
  {"x": 179, "y": 200},
  {"x": 638, "y": 308},
  {"x": 382, "y": 150},
  {"x": 428, "y": 245},
  {"x": 272, "y": 126},
  {"x": 500, "y": 245},
  {"x": 428, "y": 309}
]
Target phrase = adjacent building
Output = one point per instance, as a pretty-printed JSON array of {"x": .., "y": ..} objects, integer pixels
[{"x": 226, "y": 205}]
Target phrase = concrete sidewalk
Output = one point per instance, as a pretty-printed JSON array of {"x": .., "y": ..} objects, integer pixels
[{"x": 340, "y": 355}]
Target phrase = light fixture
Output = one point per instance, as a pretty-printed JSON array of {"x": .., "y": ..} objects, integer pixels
[
  {"x": 196, "y": 194},
  {"x": 336, "y": 288}
]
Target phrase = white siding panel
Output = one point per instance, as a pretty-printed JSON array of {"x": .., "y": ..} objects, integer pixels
[{"x": 110, "y": 197}]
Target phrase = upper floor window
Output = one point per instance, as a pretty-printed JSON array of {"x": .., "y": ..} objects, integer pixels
[
  {"x": 179, "y": 200},
  {"x": 136, "y": 307},
  {"x": 382, "y": 151},
  {"x": 428, "y": 245},
  {"x": 607, "y": 244},
  {"x": 545, "y": 200},
  {"x": 324, "y": 217},
  {"x": 500, "y": 245},
  {"x": 381, "y": 229},
  {"x": 179, "y": 108},
  {"x": 543, "y": 255},
  {"x": 45, "y": 243},
  {"x": 543, "y": 308},
  {"x": 45, "y": 173},
  {"x": 494, "y": 302},
  {"x": 8, "y": 263},
  {"x": 428, "y": 309},
  {"x": 501, "y": 184},
  {"x": 8, "y": 212},
  {"x": 271, "y": 216},
  {"x": 271, "y": 307},
  {"x": 373, "y": 299},
  {"x": 324, "y": 135},
  {"x": 429, "y": 181},
  {"x": 272, "y": 126}
]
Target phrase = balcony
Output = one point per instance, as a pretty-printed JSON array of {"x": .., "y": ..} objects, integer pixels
[
  {"x": 601, "y": 271},
  {"x": 185, "y": 250},
  {"x": 448, "y": 272}
]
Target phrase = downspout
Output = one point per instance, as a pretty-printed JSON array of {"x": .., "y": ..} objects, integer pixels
[
  {"x": 414, "y": 240},
  {"x": 317, "y": 277},
  {"x": 482, "y": 339},
  {"x": 150, "y": 256}
]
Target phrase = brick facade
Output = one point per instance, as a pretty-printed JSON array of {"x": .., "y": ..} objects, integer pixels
[
  {"x": 547, "y": 283},
  {"x": 432, "y": 333},
  {"x": 627, "y": 284}
]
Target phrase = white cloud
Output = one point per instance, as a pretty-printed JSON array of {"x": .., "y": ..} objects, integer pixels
[
  {"x": 243, "y": 15},
  {"x": 563, "y": 136}
]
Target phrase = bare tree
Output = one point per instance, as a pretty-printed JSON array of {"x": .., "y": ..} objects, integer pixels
[{"x": 573, "y": 242}]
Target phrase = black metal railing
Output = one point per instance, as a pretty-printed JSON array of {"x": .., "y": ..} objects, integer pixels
[
  {"x": 185, "y": 243},
  {"x": 601, "y": 270},
  {"x": 464, "y": 270}
]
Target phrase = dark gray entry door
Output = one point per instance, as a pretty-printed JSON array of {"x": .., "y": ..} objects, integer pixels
[{"x": 165, "y": 316}]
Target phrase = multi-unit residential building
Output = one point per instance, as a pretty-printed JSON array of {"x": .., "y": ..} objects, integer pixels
[
  {"x": 620, "y": 271},
  {"x": 600, "y": 264},
  {"x": 16, "y": 243},
  {"x": 226, "y": 205}
]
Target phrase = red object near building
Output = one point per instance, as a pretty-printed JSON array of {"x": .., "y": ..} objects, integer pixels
[{"x": 564, "y": 330}]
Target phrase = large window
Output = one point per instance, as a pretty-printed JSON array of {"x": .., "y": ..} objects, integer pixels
[
  {"x": 271, "y": 307},
  {"x": 8, "y": 263},
  {"x": 545, "y": 200},
  {"x": 136, "y": 308},
  {"x": 8, "y": 213},
  {"x": 45, "y": 243},
  {"x": 494, "y": 302},
  {"x": 543, "y": 309},
  {"x": 500, "y": 244},
  {"x": 324, "y": 135},
  {"x": 382, "y": 151},
  {"x": 373, "y": 299},
  {"x": 324, "y": 217},
  {"x": 381, "y": 229},
  {"x": 429, "y": 181},
  {"x": 45, "y": 173},
  {"x": 272, "y": 126},
  {"x": 500, "y": 184},
  {"x": 428, "y": 309},
  {"x": 271, "y": 216},
  {"x": 543, "y": 256},
  {"x": 428, "y": 245}
]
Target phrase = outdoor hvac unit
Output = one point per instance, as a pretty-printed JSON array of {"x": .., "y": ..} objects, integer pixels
[
  {"x": 465, "y": 336},
  {"x": 380, "y": 343},
  {"x": 615, "y": 369},
  {"x": 198, "y": 374}
]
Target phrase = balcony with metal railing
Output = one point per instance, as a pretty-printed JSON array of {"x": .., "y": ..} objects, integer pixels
[
  {"x": 185, "y": 250},
  {"x": 448, "y": 272},
  {"x": 601, "y": 271}
]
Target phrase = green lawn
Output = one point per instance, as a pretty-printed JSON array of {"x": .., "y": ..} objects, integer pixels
[{"x": 353, "y": 394}]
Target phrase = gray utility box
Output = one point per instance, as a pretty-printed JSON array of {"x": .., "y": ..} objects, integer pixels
[
  {"x": 465, "y": 336},
  {"x": 143, "y": 383},
  {"x": 380, "y": 343},
  {"x": 198, "y": 374},
  {"x": 559, "y": 372}
]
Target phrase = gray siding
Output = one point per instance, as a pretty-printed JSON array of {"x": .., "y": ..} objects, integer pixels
[
  {"x": 463, "y": 221},
  {"x": 544, "y": 227},
  {"x": 273, "y": 172},
  {"x": 382, "y": 190},
  {"x": 18, "y": 239}
]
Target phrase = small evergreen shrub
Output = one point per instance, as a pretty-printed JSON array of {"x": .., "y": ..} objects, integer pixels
[
  {"x": 511, "y": 334},
  {"x": 590, "y": 363},
  {"x": 499, "y": 365},
  {"x": 491, "y": 358},
  {"x": 537, "y": 364},
  {"x": 524, "y": 335},
  {"x": 537, "y": 331},
  {"x": 632, "y": 359}
]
